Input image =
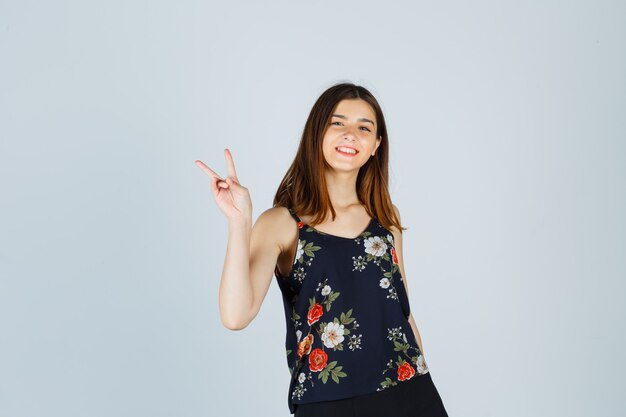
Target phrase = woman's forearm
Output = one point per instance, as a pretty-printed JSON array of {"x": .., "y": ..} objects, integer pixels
[{"x": 235, "y": 291}]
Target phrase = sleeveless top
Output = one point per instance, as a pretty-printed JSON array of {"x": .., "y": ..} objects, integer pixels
[{"x": 346, "y": 311}]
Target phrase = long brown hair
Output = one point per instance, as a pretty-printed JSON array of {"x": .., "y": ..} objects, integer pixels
[{"x": 303, "y": 187}]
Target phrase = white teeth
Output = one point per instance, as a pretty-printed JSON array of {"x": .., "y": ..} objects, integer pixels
[{"x": 346, "y": 150}]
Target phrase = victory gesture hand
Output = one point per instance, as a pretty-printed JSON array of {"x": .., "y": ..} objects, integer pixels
[{"x": 232, "y": 198}]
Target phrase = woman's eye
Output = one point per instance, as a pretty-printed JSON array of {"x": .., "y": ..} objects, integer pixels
[{"x": 364, "y": 127}]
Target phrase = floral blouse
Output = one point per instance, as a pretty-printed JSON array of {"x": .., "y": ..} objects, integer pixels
[{"x": 346, "y": 311}]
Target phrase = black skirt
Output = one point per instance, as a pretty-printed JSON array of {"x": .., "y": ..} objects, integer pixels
[{"x": 416, "y": 397}]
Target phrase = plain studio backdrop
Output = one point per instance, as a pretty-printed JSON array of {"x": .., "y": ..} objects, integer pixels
[{"x": 507, "y": 126}]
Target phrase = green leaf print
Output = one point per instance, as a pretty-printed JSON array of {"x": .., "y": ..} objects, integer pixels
[
  {"x": 335, "y": 372},
  {"x": 328, "y": 300},
  {"x": 400, "y": 361},
  {"x": 295, "y": 315},
  {"x": 345, "y": 318},
  {"x": 400, "y": 347},
  {"x": 396, "y": 335},
  {"x": 329, "y": 296},
  {"x": 323, "y": 376},
  {"x": 388, "y": 382},
  {"x": 309, "y": 249}
]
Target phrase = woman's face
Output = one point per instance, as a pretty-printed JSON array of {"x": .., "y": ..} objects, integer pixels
[{"x": 352, "y": 125}]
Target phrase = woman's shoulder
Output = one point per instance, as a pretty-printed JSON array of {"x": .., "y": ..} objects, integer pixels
[
  {"x": 277, "y": 214},
  {"x": 277, "y": 224},
  {"x": 275, "y": 217}
]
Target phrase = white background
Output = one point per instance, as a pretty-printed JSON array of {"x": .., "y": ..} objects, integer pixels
[{"x": 508, "y": 146}]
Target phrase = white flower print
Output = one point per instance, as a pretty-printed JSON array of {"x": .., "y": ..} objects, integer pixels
[
  {"x": 375, "y": 246},
  {"x": 303, "y": 258},
  {"x": 333, "y": 335},
  {"x": 301, "y": 377},
  {"x": 354, "y": 341},
  {"x": 299, "y": 252},
  {"x": 392, "y": 293},
  {"x": 299, "y": 273},
  {"x": 380, "y": 251},
  {"x": 298, "y": 391},
  {"x": 422, "y": 368},
  {"x": 394, "y": 332},
  {"x": 405, "y": 359},
  {"x": 298, "y": 334},
  {"x": 326, "y": 290},
  {"x": 359, "y": 263}
]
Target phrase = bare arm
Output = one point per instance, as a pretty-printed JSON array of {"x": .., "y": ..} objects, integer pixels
[
  {"x": 235, "y": 291},
  {"x": 251, "y": 251},
  {"x": 397, "y": 240},
  {"x": 251, "y": 256}
]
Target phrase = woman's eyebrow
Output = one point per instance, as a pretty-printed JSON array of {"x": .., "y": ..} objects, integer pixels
[{"x": 362, "y": 119}]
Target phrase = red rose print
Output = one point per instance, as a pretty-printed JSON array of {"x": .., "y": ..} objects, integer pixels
[
  {"x": 317, "y": 360},
  {"x": 405, "y": 371},
  {"x": 393, "y": 255},
  {"x": 315, "y": 313},
  {"x": 300, "y": 225},
  {"x": 304, "y": 347}
]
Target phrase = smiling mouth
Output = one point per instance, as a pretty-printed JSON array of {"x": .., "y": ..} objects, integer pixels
[{"x": 346, "y": 151}]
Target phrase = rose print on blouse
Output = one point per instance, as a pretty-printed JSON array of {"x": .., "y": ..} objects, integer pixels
[
  {"x": 405, "y": 367},
  {"x": 305, "y": 253},
  {"x": 315, "y": 312},
  {"x": 330, "y": 336},
  {"x": 304, "y": 346}
]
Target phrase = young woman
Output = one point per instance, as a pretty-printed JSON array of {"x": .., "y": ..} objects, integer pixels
[{"x": 333, "y": 240}]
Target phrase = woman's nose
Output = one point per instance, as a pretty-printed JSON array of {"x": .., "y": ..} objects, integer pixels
[{"x": 350, "y": 132}]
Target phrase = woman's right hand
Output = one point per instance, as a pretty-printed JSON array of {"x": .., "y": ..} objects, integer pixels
[{"x": 232, "y": 198}]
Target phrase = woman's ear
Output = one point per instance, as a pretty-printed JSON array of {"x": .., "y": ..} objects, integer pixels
[{"x": 378, "y": 141}]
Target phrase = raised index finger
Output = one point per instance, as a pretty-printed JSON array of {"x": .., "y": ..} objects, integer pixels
[{"x": 207, "y": 170}]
